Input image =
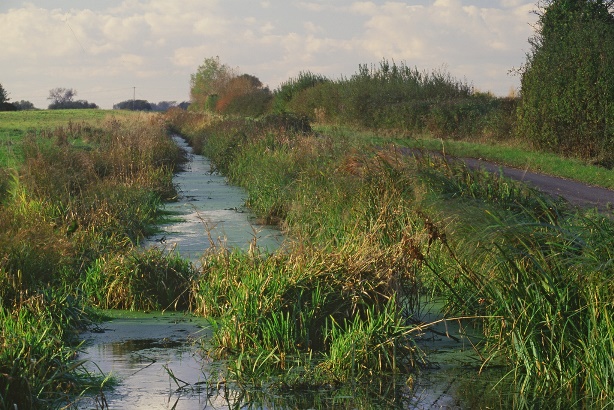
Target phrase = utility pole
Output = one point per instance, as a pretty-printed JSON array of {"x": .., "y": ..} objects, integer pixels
[{"x": 133, "y": 97}]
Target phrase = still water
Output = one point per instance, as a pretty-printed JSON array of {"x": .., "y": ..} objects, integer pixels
[{"x": 155, "y": 357}]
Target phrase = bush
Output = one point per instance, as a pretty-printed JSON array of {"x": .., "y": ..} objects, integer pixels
[{"x": 567, "y": 90}]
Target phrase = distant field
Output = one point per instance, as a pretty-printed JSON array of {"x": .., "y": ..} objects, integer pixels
[{"x": 14, "y": 125}]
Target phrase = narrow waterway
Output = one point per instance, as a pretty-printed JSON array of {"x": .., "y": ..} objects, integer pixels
[
  {"x": 155, "y": 361},
  {"x": 153, "y": 357},
  {"x": 209, "y": 210}
]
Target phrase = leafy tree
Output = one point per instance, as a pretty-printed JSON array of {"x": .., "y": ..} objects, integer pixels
[
  {"x": 134, "y": 105},
  {"x": 24, "y": 105},
  {"x": 208, "y": 82},
  {"x": 4, "y": 95},
  {"x": 567, "y": 85}
]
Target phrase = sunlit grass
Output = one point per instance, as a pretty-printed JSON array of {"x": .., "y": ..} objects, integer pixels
[
  {"x": 525, "y": 264},
  {"x": 511, "y": 153}
]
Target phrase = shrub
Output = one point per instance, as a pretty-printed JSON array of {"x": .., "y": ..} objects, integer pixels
[{"x": 567, "y": 86}]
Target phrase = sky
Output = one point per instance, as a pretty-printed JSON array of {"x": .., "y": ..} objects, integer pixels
[{"x": 113, "y": 50}]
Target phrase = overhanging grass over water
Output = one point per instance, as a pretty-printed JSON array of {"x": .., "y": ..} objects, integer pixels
[{"x": 534, "y": 274}]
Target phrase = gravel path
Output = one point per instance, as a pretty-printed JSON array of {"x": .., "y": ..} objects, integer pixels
[{"x": 576, "y": 193}]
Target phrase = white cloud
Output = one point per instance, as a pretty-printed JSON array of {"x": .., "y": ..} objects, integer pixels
[{"x": 157, "y": 44}]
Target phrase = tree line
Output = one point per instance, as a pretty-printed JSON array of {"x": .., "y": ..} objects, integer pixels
[
  {"x": 64, "y": 98},
  {"x": 565, "y": 103}
]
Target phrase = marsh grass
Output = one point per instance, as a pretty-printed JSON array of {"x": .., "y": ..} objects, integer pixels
[
  {"x": 139, "y": 280},
  {"x": 81, "y": 195},
  {"x": 37, "y": 366},
  {"x": 540, "y": 271},
  {"x": 379, "y": 226}
]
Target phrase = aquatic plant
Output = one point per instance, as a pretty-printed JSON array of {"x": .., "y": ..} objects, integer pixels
[{"x": 147, "y": 280}]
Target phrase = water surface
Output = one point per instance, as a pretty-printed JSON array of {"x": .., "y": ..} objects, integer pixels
[{"x": 209, "y": 210}]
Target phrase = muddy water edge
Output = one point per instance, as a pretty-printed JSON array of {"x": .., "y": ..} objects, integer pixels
[{"x": 155, "y": 358}]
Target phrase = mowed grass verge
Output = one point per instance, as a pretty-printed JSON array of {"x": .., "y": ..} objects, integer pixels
[{"x": 513, "y": 154}]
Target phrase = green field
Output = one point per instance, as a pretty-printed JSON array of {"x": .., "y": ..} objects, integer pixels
[
  {"x": 15, "y": 125},
  {"x": 512, "y": 154}
]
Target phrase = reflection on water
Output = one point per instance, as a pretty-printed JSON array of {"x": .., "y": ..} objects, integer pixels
[
  {"x": 153, "y": 357},
  {"x": 209, "y": 210}
]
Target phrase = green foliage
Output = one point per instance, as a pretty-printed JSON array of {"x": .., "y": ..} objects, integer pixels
[
  {"x": 568, "y": 81},
  {"x": 209, "y": 79},
  {"x": 396, "y": 96},
  {"x": 288, "y": 90}
]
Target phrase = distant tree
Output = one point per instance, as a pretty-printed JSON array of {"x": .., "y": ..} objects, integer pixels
[
  {"x": 5, "y": 105},
  {"x": 63, "y": 99},
  {"x": 4, "y": 95},
  {"x": 134, "y": 105},
  {"x": 208, "y": 83},
  {"x": 60, "y": 96},
  {"x": 236, "y": 87},
  {"x": 567, "y": 84},
  {"x": 163, "y": 105},
  {"x": 72, "y": 105},
  {"x": 24, "y": 105},
  {"x": 184, "y": 105}
]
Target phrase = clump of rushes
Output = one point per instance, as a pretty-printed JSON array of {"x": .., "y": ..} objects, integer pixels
[
  {"x": 540, "y": 273},
  {"x": 149, "y": 279},
  {"x": 547, "y": 290},
  {"x": 336, "y": 315},
  {"x": 37, "y": 351}
]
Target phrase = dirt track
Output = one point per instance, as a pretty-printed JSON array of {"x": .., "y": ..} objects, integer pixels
[{"x": 576, "y": 193}]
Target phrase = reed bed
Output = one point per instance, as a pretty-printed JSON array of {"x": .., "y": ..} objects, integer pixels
[
  {"x": 81, "y": 195},
  {"x": 533, "y": 272}
]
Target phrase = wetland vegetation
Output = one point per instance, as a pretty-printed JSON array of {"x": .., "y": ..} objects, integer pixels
[{"x": 374, "y": 234}]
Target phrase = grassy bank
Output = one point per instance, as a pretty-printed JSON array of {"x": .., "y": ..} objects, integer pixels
[
  {"x": 533, "y": 273},
  {"x": 512, "y": 153},
  {"x": 73, "y": 208}
]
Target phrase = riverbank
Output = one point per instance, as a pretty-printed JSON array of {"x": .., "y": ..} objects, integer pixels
[{"x": 485, "y": 244}]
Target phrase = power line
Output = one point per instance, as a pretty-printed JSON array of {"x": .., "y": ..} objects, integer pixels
[{"x": 74, "y": 35}]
